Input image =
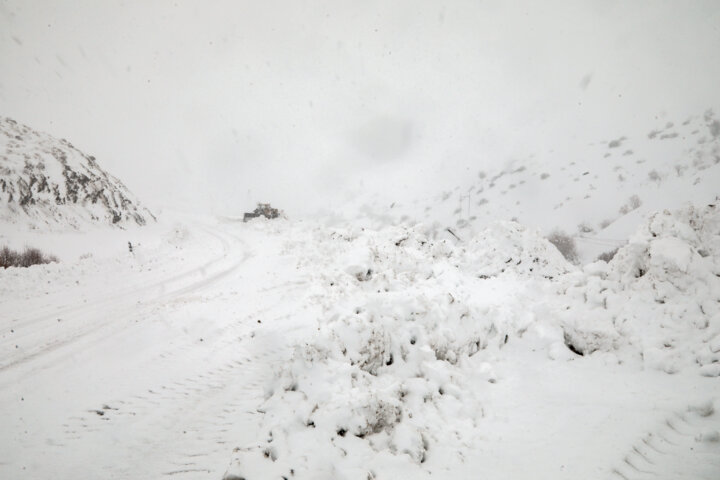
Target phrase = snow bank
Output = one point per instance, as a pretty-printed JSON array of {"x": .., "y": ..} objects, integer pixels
[
  {"x": 509, "y": 246},
  {"x": 410, "y": 319},
  {"x": 382, "y": 388},
  {"x": 658, "y": 298}
]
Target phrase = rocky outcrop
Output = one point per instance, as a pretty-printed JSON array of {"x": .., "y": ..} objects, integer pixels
[{"x": 48, "y": 180}]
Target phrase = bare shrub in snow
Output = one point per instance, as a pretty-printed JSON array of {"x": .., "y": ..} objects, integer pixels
[
  {"x": 633, "y": 203},
  {"x": 616, "y": 143},
  {"x": 607, "y": 256},
  {"x": 715, "y": 128},
  {"x": 8, "y": 258},
  {"x": 585, "y": 228},
  {"x": 654, "y": 176},
  {"x": 565, "y": 245},
  {"x": 29, "y": 257}
]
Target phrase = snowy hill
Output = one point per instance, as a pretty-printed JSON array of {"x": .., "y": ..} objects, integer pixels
[
  {"x": 599, "y": 192},
  {"x": 49, "y": 182}
]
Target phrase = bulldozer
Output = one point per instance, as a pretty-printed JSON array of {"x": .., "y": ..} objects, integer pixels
[{"x": 262, "y": 210}]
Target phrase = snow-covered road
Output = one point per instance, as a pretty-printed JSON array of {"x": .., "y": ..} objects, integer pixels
[
  {"x": 135, "y": 373},
  {"x": 112, "y": 301},
  {"x": 247, "y": 351}
]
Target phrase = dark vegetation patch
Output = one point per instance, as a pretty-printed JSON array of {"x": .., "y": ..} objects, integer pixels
[
  {"x": 565, "y": 245},
  {"x": 30, "y": 256},
  {"x": 607, "y": 256}
]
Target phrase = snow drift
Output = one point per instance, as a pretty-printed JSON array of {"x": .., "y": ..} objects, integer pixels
[
  {"x": 410, "y": 316},
  {"x": 659, "y": 295},
  {"x": 381, "y": 387}
]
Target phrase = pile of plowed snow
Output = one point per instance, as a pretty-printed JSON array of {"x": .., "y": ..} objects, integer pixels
[
  {"x": 410, "y": 316},
  {"x": 510, "y": 247},
  {"x": 405, "y": 311},
  {"x": 658, "y": 298}
]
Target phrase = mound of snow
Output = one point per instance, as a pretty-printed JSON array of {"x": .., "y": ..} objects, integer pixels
[
  {"x": 381, "y": 388},
  {"x": 510, "y": 247},
  {"x": 411, "y": 319},
  {"x": 659, "y": 295}
]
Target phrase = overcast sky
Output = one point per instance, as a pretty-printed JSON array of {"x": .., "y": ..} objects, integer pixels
[{"x": 219, "y": 103}]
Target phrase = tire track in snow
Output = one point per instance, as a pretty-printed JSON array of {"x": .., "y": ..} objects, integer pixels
[
  {"x": 686, "y": 446},
  {"x": 118, "y": 314},
  {"x": 188, "y": 426},
  {"x": 121, "y": 294},
  {"x": 151, "y": 281},
  {"x": 201, "y": 399}
]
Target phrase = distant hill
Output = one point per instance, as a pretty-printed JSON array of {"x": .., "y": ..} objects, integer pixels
[
  {"x": 47, "y": 181},
  {"x": 598, "y": 192}
]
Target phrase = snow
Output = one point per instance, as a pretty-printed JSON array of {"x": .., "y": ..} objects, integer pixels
[
  {"x": 593, "y": 192},
  {"x": 422, "y": 325},
  {"x": 48, "y": 183},
  {"x": 298, "y": 349}
]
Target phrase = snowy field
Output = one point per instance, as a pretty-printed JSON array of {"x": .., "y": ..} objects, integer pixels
[
  {"x": 288, "y": 349},
  {"x": 405, "y": 315}
]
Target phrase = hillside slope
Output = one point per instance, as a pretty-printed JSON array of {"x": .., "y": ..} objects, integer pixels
[
  {"x": 48, "y": 182},
  {"x": 598, "y": 192}
]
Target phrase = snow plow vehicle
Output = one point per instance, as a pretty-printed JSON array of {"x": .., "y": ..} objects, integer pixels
[{"x": 262, "y": 210}]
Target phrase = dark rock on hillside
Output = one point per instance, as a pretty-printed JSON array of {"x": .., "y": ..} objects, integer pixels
[{"x": 49, "y": 181}]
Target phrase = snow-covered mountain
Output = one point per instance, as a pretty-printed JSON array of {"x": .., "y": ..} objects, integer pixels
[
  {"x": 599, "y": 192},
  {"x": 48, "y": 182}
]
